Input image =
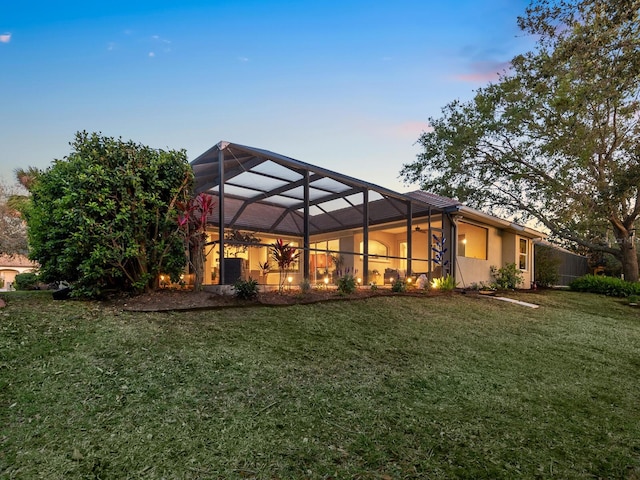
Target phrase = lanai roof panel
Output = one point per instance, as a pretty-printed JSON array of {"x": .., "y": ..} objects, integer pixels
[{"x": 264, "y": 191}]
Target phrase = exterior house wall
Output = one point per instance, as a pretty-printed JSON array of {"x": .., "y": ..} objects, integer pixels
[
  {"x": 501, "y": 247},
  {"x": 511, "y": 254},
  {"x": 476, "y": 270},
  {"x": 508, "y": 249}
]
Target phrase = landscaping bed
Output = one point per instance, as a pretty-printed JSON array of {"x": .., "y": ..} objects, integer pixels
[{"x": 167, "y": 300}]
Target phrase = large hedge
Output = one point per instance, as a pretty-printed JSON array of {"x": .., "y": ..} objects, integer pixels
[
  {"x": 104, "y": 218},
  {"x": 611, "y": 286}
]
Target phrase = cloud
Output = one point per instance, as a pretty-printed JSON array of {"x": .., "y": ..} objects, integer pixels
[
  {"x": 152, "y": 54},
  {"x": 243, "y": 59},
  {"x": 5, "y": 38},
  {"x": 410, "y": 129},
  {"x": 159, "y": 39},
  {"x": 482, "y": 72},
  {"x": 160, "y": 44}
]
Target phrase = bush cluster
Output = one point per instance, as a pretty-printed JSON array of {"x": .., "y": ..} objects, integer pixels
[
  {"x": 610, "y": 286},
  {"x": 246, "y": 289},
  {"x": 445, "y": 284},
  {"x": 305, "y": 286},
  {"x": 398, "y": 285},
  {"x": 547, "y": 266},
  {"x": 347, "y": 284},
  {"x": 507, "y": 277},
  {"x": 26, "y": 281}
]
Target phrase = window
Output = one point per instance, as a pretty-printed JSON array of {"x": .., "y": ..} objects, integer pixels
[
  {"x": 376, "y": 248},
  {"x": 472, "y": 241},
  {"x": 522, "y": 256},
  {"x": 321, "y": 263},
  {"x": 404, "y": 253},
  {"x": 462, "y": 244}
]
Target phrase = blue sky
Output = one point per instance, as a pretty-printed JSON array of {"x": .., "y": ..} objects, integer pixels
[{"x": 348, "y": 85}]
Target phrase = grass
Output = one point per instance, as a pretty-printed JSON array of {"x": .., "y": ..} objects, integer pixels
[{"x": 392, "y": 387}]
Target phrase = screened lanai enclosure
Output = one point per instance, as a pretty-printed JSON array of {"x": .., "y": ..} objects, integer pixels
[{"x": 339, "y": 224}]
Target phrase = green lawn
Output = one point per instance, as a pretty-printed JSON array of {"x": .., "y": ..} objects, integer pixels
[{"x": 391, "y": 387}]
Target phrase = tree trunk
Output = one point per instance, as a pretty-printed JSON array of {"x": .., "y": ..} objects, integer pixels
[
  {"x": 198, "y": 260},
  {"x": 629, "y": 259},
  {"x": 628, "y": 254}
]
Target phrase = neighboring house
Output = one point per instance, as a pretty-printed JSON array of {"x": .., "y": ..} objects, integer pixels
[
  {"x": 343, "y": 224},
  {"x": 10, "y": 266}
]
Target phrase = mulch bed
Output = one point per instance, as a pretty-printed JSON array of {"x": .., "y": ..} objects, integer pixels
[{"x": 172, "y": 300}]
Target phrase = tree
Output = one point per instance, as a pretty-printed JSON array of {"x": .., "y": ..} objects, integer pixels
[
  {"x": 105, "y": 217},
  {"x": 556, "y": 139},
  {"x": 13, "y": 231}
]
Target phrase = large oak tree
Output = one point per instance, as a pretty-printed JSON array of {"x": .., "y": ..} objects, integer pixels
[{"x": 556, "y": 139}]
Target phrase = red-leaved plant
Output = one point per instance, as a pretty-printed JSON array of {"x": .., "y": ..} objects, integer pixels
[
  {"x": 193, "y": 222},
  {"x": 285, "y": 256}
]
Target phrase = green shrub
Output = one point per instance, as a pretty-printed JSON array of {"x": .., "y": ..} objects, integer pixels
[
  {"x": 26, "y": 281},
  {"x": 610, "y": 286},
  {"x": 547, "y": 266},
  {"x": 105, "y": 217},
  {"x": 507, "y": 277},
  {"x": 305, "y": 286},
  {"x": 347, "y": 284},
  {"x": 246, "y": 289},
  {"x": 398, "y": 285},
  {"x": 445, "y": 284}
]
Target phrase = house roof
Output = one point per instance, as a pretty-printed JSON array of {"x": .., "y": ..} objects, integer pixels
[
  {"x": 265, "y": 191},
  {"x": 15, "y": 261},
  {"x": 433, "y": 199}
]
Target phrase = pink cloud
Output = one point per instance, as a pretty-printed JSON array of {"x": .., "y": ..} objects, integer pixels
[
  {"x": 411, "y": 129},
  {"x": 483, "y": 72},
  {"x": 5, "y": 38}
]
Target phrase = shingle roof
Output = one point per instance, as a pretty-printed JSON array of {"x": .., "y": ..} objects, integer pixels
[
  {"x": 433, "y": 199},
  {"x": 15, "y": 261}
]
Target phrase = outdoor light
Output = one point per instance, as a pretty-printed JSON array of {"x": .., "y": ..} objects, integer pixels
[
  {"x": 326, "y": 282},
  {"x": 289, "y": 279},
  {"x": 408, "y": 279},
  {"x": 359, "y": 280}
]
